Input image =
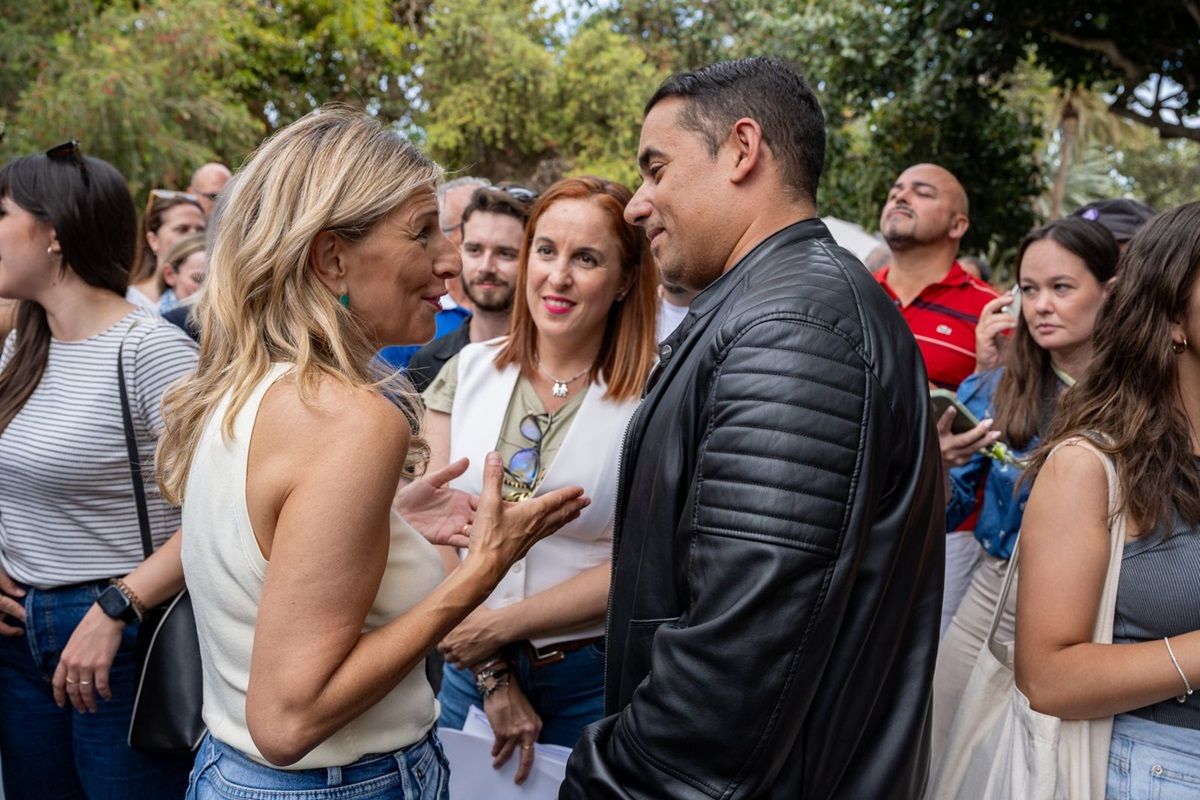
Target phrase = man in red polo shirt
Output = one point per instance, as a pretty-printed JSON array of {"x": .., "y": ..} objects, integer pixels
[{"x": 923, "y": 221}]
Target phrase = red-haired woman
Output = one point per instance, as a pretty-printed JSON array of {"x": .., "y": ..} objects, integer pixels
[{"x": 553, "y": 397}]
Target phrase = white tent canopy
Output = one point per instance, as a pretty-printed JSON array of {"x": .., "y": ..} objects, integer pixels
[{"x": 852, "y": 237}]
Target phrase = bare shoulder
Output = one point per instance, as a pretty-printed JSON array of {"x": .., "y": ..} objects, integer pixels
[
  {"x": 346, "y": 418},
  {"x": 1076, "y": 464},
  {"x": 1070, "y": 491}
]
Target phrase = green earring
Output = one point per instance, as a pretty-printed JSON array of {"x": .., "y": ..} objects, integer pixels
[{"x": 345, "y": 299}]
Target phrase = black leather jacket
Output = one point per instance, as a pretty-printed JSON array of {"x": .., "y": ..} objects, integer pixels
[{"x": 778, "y": 549}]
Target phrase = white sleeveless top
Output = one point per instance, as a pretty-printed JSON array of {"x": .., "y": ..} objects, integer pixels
[
  {"x": 225, "y": 570},
  {"x": 589, "y": 457}
]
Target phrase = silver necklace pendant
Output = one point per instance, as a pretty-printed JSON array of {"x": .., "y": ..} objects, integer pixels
[{"x": 559, "y": 389}]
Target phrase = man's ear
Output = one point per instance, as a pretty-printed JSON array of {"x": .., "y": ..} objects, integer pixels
[
  {"x": 325, "y": 256},
  {"x": 959, "y": 226},
  {"x": 745, "y": 141}
]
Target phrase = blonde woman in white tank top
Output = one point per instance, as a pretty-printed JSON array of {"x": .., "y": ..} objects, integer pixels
[{"x": 315, "y": 601}]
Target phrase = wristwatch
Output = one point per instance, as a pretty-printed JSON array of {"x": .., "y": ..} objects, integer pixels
[
  {"x": 114, "y": 603},
  {"x": 490, "y": 679}
]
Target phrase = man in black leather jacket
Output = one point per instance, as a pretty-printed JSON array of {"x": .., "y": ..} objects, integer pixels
[{"x": 778, "y": 548}]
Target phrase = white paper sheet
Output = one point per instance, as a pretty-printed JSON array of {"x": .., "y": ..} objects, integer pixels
[{"x": 472, "y": 777}]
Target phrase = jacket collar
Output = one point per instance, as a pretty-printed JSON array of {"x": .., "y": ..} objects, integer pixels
[
  {"x": 714, "y": 296},
  {"x": 718, "y": 290}
]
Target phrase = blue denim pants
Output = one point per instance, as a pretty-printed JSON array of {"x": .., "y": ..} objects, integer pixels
[
  {"x": 418, "y": 772},
  {"x": 568, "y": 695},
  {"x": 53, "y": 753},
  {"x": 1151, "y": 761}
]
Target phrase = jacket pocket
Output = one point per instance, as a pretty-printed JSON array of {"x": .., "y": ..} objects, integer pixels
[{"x": 637, "y": 647}]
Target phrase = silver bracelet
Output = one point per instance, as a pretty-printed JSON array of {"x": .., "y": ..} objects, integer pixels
[{"x": 1186, "y": 685}]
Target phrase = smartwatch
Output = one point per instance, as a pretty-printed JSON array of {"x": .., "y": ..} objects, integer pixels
[{"x": 114, "y": 603}]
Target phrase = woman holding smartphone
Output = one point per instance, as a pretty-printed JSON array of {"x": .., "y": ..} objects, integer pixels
[{"x": 1063, "y": 271}]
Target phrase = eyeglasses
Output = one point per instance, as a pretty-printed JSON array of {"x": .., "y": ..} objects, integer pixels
[
  {"x": 69, "y": 153},
  {"x": 452, "y": 229},
  {"x": 525, "y": 465}
]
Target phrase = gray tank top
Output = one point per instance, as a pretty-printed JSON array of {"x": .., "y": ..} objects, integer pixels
[{"x": 1159, "y": 596}]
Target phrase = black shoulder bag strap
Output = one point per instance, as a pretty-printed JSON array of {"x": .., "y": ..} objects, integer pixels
[{"x": 135, "y": 458}]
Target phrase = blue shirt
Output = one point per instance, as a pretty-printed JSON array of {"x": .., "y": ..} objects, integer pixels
[
  {"x": 448, "y": 320},
  {"x": 1004, "y": 497}
]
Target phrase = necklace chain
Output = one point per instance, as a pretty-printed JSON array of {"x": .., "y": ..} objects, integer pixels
[{"x": 560, "y": 387}]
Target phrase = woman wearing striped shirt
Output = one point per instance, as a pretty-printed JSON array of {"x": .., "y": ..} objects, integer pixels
[{"x": 68, "y": 518}]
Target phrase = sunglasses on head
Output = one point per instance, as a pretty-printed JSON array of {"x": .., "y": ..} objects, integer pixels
[
  {"x": 167, "y": 194},
  {"x": 520, "y": 193},
  {"x": 69, "y": 153}
]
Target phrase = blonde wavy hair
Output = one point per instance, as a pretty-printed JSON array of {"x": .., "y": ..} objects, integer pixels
[{"x": 334, "y": 170}]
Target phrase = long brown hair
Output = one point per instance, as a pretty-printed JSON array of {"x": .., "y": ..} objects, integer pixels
[
  {"x": 627, "y": 353},
  {"x": 1131, "y": 392},
  {"x": 1027, "y": 372},
  {"x": 88, "y": 205},
  {"x": 145, "y": 263}
]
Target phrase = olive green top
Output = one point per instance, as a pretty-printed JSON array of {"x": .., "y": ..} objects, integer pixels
[{"x": 524, "y": 402}]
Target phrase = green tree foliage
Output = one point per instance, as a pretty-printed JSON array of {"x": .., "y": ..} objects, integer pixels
[
  {"x": 508, "y": 96},
  {"x": 895, "y": 95},
  {"x": 602, "y": 85},
  {"x": 295, "y": 55},
  {"x": 145, "y": 89},
  {"x": 1115, "y": 45},
  {"x": 487, "y": 84},
  {"x": 1164, "y": 176}
]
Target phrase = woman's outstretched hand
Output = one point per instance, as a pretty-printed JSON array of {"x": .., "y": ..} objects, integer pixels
[
  {"x": 502, "y": 533},
  {"x": 439, "y": 513}
]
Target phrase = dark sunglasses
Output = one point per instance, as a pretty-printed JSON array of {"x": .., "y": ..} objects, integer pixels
[
  {"x": 69, "y": 153},
  {"x": 526, "y": 463}
]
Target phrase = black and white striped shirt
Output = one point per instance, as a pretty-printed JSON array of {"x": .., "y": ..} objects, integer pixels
[{"x": 67, "y": 508}]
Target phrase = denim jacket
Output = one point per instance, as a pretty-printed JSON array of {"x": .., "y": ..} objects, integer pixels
[{"x": 1003, "y": 504}]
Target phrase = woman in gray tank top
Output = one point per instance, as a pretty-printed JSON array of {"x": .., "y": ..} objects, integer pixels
[{"x": 1140, "y": 401}]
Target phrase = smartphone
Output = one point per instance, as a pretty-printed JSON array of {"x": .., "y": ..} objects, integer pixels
[
  {"x": 942, "y": 399},
  {"x": 1013, "y": 309}
]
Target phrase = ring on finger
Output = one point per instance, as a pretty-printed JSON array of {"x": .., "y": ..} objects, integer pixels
[
  {"x": 526, "y": 747},
  {"x": 71, "y": 681},
  {"x": 85, "y": 683}
]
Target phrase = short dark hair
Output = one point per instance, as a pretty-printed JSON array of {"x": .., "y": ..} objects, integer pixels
[
  {"x": 495, "y": 200},
  {"x": 767, "y": 90}
]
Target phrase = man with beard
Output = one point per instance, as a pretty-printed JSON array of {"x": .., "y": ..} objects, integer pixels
[
  {"x": 923, "y": 221},
  {"x": 493, "y": 227},
  {"x": 777, "y": 570}
]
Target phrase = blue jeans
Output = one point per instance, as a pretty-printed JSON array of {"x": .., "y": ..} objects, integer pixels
[
  {"x": 568, "y": 695},
  {"x": 1151, "y": 761},
  {"x": 51, "y": 752},
  {"x": 418, "y": 772}
]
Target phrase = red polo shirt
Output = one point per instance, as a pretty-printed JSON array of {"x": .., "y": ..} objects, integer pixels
[{"x": 943, "y": 319}]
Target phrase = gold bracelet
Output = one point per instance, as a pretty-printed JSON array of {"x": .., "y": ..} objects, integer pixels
[{"x": 132, "y": 595}]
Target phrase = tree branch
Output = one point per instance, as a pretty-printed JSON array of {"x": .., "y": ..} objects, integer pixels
[
  {"x": 1167, "y": 130},
  {"x": 1105, "y": 47}
]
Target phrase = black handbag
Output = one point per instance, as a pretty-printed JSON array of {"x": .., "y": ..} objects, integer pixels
[{"x": 166, "y": 709}]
